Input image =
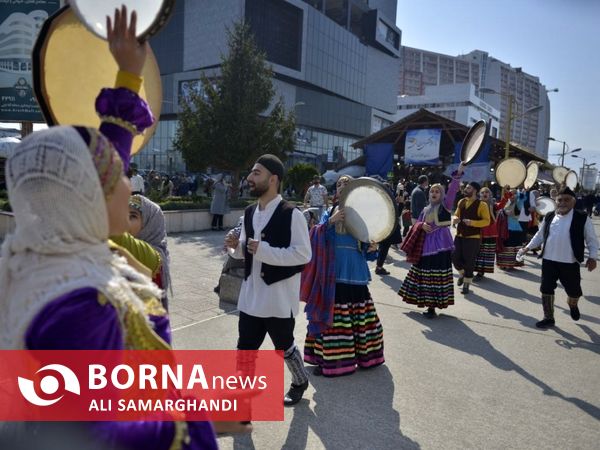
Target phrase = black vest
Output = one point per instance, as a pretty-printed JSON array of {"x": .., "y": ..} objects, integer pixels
[
  {"x": 576, "y": 233},
  {"x": 278, "y": 233},
  {"x": 472, "y": 213}
]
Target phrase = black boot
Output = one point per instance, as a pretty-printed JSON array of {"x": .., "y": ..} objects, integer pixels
[
  {"x": 294, "y": 395},
  {"x": 548, "y": 305},
  {"x": 575, "y": 315},
  {"x": 430, "y": 313},
  {"x": 465, "y": 288}
]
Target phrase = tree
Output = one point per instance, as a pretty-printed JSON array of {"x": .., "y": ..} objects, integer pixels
[
  {"x": 226, "y": 125},
  {"x": 300, "y": 176}
]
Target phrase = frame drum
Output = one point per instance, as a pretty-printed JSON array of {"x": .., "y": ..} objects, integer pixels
[
  {"x": 559, "y": 174},
  {"x": 532, "y": 174},
  {"x": 545, "y": 205},
  {"x": 370, "y": 214},
  {"x": 71, "y": 66},
  {"x": 511, "y": 171},
  {"x": 571, "y": 180},
  {"x": 152, "y": 15},
  {"x": 474, "y": 142}
]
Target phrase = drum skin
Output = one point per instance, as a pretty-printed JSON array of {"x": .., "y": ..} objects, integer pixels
[{"x": 511, "y": 171}]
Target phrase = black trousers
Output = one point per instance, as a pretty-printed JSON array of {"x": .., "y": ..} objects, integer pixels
[
  {"x": 568, "y": 274},
  {"x": 217, "y": 221},
  {"x": 384, "y": 248},
  {"x": 252, "y": 331},
  {"x": 465, "y": 254}
]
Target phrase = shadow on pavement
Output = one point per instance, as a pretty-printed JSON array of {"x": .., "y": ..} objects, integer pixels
[
  {"x": 492, "y": 285},
  {"x": 499, "y": 310},
  {"x": 362, "y": 398},
  {"x": 452, "y": 332}
]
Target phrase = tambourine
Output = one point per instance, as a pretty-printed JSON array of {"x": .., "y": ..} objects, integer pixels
[
  {"x": 511, "y": 172},
  {"x": 71, "y": 66},
  {"x": 532, "y": 174},
  {"x": 152, "y": 15},
  {"x": 545, "y": 205},
  {"x": 474, "y": 142},
  {"x": 369, "y": 211},
  {"x": 571, "y": 180},
  {"x": 559, "y": 174}
]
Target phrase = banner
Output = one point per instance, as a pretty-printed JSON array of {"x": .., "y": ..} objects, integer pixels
[
  {"x": 422, "y": 147},
  {"x": 379, "y": 159},
  {"x": 20, "y": 23},
  {"x": 473, "y": 172},
  {"x": 187, "y": 385}
]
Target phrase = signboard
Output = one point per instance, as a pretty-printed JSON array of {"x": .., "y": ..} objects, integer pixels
[
  {"x": 422, "y": 147},
  {"x": 588, "y": 179},
  {"x": 20, "y": 23},
  {"x": 473, "y": 172}
]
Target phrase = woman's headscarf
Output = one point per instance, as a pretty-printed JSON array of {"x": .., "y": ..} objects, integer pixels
[
  {"x": 429, "y": 208},
  {"x": 154, "y": 232},
  {"x": 57, "y": 181}
]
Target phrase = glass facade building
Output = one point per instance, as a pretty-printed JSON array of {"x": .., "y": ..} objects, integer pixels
[{"x": 333, "y": 60}]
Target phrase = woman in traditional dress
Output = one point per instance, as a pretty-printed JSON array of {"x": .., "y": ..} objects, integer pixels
[
  {"x": 344, "y": 331},
  {"x": 514, "y": 235},
  {"x": 62, "y": 287},
  {"x": 486, "y": 258},
  {"x": 429, "y": 282},
  {"x": 146, "y": 240}
]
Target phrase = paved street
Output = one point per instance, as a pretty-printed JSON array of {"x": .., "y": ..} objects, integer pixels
[{"x": 479, "y": 376}]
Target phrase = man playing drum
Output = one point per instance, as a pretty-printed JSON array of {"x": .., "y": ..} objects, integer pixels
[{"x": 564, "y": 234}]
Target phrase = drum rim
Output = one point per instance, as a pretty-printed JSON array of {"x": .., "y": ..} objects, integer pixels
[
  {"x": 160, "y": 20},
  {"x": 544, "y": 200},
  {"x": 469, "y": 137},
  {"x": 576, "y": 178},
  {"x": 537, "y": 171},
  {"x": 366, "y": 181},
  {"x": 511, "y": 160}
]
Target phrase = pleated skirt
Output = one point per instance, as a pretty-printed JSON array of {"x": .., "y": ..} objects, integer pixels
[
  {"x": 429, "y": 283},
  {"x": 486, "y": 258},
  {"x": 354, "y": 340}
]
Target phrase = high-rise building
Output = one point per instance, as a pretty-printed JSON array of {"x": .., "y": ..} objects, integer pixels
[
  {"x": 332, "y": 61},
  {"x": 421, "y": 68}
]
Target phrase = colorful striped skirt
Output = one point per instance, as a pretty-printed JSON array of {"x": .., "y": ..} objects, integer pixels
[
  {"x": 429, "y": 283},
  {"x": 355, "y": 338},
  {"x": 486, "y": 256},
  {"x": 506, "y": 259}
]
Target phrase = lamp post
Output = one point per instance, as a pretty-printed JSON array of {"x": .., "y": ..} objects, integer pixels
[
  {"x": 562, "y": 157},
  {"x": 510, "y": 117},
  {"x": 584, "y": 165}
]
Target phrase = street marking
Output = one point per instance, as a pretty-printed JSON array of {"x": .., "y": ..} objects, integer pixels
[{"x": 202, "y": 321}]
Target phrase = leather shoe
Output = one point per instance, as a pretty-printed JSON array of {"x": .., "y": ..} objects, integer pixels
[
  {"x": 294, "y": 395},
  {"x": 381, "y": 271},
  {"x": 545, "y": 323},
  {"x": 465, "y": 289},
  {"x": 574, "y": 312},
  {"x": 460, "y": 281}
]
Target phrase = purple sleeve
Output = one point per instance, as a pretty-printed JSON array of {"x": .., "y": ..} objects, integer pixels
[
  {"x": 451, "y": 194},
  {"x": 78, "y": 321},
  {"x": 127, "y": 106},
  {"x": 162, "y": 327},
  {"x": 75, "y": 321}
]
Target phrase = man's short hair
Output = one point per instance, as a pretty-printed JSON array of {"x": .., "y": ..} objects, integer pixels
[{"x": 423, "y": 179}]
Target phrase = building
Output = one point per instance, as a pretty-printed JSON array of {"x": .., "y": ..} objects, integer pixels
[
  {"x": 332, "y": 61},
  {"x": 420, "y": 69},
  {"x": 457, "y": 102}
]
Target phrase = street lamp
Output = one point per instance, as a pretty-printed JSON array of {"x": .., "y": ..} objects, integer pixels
[
  {"x": 584, "y": 164},
  {"x": 510, "y": 117},
  {"x": 562, "y": 159}
]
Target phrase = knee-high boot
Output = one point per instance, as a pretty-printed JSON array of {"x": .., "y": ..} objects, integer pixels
[
  {"x": 293, "y": 360},
  {"x": 548, "y": 305}
]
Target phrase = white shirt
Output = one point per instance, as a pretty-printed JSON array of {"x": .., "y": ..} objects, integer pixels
[
  {"x": 280, "y": 299},
  {"x": 558, "y": 245},
  {"x": 524, "y": 215},
  {"x": 316, "y": 195},
  {"x": 137, "y": 183}
]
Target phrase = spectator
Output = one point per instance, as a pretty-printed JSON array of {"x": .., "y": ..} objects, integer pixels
[
  {"x": 316, "y": 196},
  {"x": 219, "y": 205},
  {"x": 418, "y": 198},
  {"x": 137, "y": 182}
]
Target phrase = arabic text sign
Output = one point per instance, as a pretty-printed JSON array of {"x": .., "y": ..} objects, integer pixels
[
  {"x": 23, "y": 19},
  {"x": 422, "y": 147}
]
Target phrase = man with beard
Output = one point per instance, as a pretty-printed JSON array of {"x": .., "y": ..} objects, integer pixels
[
  {"x": 564, "y": 234},
  {"x": 275, "y": 245},
  {"x": 472, "y": 215}
]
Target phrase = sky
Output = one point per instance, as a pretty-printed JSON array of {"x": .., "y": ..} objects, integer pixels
[{"x": 556, "y": 40}]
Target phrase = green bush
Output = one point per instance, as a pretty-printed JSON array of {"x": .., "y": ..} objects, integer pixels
[{"x": 4, "y": 205}]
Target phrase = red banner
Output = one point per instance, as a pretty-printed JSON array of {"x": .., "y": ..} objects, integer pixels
[{"x": 223, "y": 385}]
